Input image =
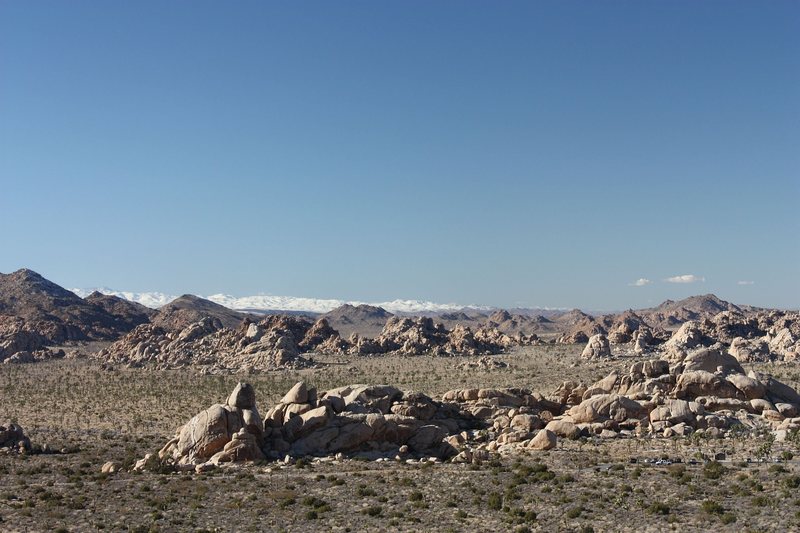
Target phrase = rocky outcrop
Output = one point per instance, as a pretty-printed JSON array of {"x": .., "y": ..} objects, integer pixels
[
  {"x": 643, "y": 339},
  {"x": 784, "y": 343},
  {"x": 279, "y": 341},
  {"x": 596, "y": 348},
  {"x": 689, "y": 335},
  {"x": 227, "y": 432},
  {"x": 752, "y": 339}
]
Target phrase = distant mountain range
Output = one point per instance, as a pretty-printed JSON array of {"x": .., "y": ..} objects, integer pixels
[
  {"x": 269, "y": 303},
  {"x": 35, "y": 312}
]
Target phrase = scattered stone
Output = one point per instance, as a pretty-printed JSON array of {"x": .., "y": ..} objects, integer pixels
[{"x": 544, "y": 440}]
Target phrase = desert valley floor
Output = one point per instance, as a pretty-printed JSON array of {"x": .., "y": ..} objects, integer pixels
[{"x": 80, "y": 416}]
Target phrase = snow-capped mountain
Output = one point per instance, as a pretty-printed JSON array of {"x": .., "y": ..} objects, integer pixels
[
  {"x": 265, "y": 302},
  {"x": 153, "y": 300}
]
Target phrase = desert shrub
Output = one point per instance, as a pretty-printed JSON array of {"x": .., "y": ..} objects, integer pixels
[
  {"x": 495, "y": 501},
  {"x": 713, "y": 470},
  {"x": 373, "y": 510},
  {"x": 575, "y": 512},
  {"x": 777, "y": 469},
  {"x": 792, "y": 482},
  {"x": 760, "y": 501},
  {"x": 363, "y": 491},
  {"x": 676, "y": 470},
  {"x": 658, "y": 508},
  {"x": 712, "y": 507}
]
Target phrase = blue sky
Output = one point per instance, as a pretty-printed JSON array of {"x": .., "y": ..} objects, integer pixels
[{"x": 510, "y": 154}]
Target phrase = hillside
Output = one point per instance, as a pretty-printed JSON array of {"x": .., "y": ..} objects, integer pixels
[
  {"x": 61, "y": 314},
  {"x": 365, "y": 320},
  {"x": 188, "y": 309}
]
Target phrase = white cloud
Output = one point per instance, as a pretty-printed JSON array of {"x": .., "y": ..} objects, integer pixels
[
  {"x": 685, "y": 278},
  {"x": 641, "y": 282},
  {"x": 745, "y": 282}
]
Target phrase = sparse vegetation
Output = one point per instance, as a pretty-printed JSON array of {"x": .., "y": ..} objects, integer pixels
[{"x": 586, "y": 482}]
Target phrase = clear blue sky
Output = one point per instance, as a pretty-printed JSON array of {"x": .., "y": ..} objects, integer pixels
[{"x": 498, "y": 153}]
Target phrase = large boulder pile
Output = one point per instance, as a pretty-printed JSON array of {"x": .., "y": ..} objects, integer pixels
[
  {"x": 690, "y": 335},
  {"x": 227, "y": 432},
  {"x": 751, "y": 336},
  {"x": 573, "y": 337},
  {"x": 366, "y": 420},
  {"x": 371, "y": 421},
  {"x": 766, "y": 336},
  {"x": 515, "y": 420},
  {"x": 280, "y": 341},
  {"x": 706, "y": 390},
  {"x": 420, "y": 335},
  {"x": 24, "y": 341},
  {"x": 13, "y": 439},
  {"x": 273, "y": 342}
]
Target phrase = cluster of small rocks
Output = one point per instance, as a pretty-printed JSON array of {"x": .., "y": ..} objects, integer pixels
[
  {"x": 13, "y": 439},
  {"x": 485, "y": 363}
]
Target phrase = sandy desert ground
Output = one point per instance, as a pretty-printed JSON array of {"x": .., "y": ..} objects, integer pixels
[{"x": 83, "y": 416}]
